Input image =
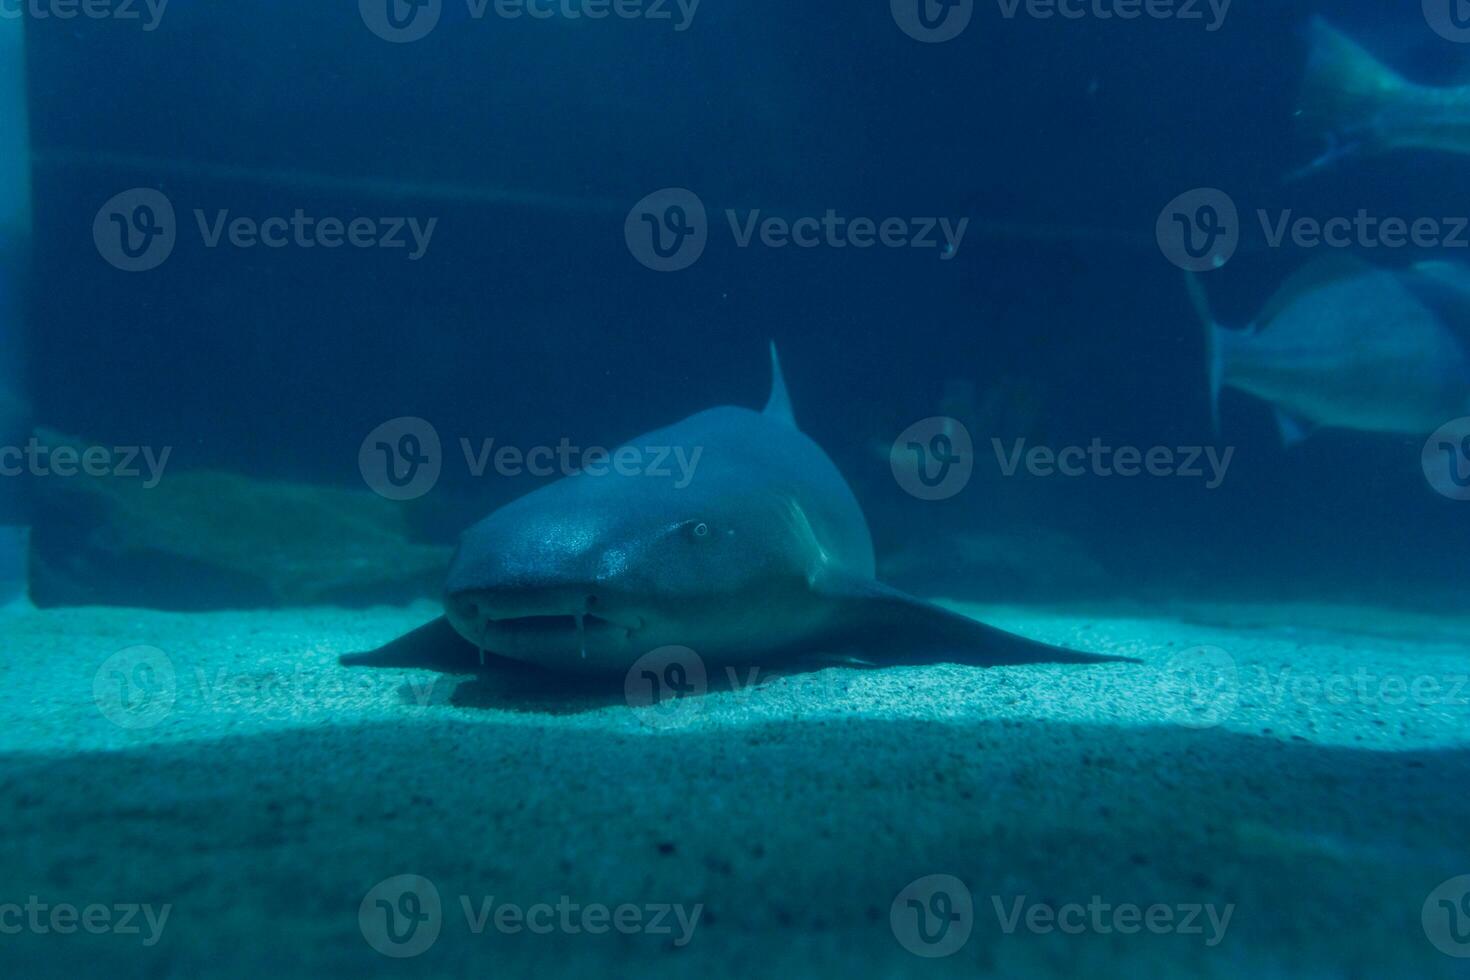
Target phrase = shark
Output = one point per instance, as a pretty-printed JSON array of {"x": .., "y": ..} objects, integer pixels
[
  {"x": 1348, "y": 345},
  {"x": 1360, "y": 106},
  {"x": 761, "y": 557}
]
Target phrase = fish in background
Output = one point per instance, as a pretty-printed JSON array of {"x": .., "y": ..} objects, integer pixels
[
  {"x": 1361, "y": 106},
  {"x": 304, "y": 543},
  {"x": 1347, "y": 345}
]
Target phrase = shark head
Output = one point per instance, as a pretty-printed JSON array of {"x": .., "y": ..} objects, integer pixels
[{"x": 596, "y": 570}]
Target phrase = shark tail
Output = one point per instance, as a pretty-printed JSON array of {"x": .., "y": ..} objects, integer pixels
[
  {"x": 1344, "y": 93},
  {"x": 1214, "y": 348}
]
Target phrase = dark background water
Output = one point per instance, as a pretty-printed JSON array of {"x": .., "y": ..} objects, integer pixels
[{"x": 530, "y": 321}]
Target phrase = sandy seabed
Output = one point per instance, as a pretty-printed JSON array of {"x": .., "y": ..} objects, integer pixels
[{"x": 1303, "y": 770}]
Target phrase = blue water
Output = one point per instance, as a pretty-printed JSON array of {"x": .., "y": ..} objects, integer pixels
[
  {"x": 1059, "y": 140},
  {"x": 522, "y": 153}
]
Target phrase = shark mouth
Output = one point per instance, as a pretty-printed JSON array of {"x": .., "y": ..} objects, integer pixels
[{"x": 567, "y": 631}]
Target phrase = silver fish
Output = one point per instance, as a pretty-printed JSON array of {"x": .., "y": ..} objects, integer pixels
[
  {"x": 1347, "y": 345},
  {"x": 1358, "y": 105}
]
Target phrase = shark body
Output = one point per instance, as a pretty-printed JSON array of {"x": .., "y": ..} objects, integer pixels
[{"x": 762, "y": 555}]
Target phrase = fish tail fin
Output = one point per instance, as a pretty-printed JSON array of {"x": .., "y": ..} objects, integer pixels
[
  {"x": 1344, "y": 92},
  {"x": 778, "y": 406},
  {"x": 1214, "y": 352}
]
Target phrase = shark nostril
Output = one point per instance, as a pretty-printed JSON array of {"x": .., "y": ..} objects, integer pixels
[{"x": 591, "y": 601}]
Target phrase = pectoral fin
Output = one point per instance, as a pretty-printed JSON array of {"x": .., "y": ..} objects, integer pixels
[
  {"x": 1293, "y": 429},
  {"x": 892, "y": 628},
  {"x": 433, "y": 646}
]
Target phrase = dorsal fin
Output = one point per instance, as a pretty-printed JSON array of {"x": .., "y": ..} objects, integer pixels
[
  {"x": 778, "y": 406},
  {"x": 1310, "y": 277}
]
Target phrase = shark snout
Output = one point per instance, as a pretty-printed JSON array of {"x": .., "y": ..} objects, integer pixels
[
  {"x": 503, "y": 604},
  {"x": 532, "y": 623}
]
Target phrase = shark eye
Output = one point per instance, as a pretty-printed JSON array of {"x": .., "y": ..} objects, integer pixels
[{"x": 701, "y": 530}]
